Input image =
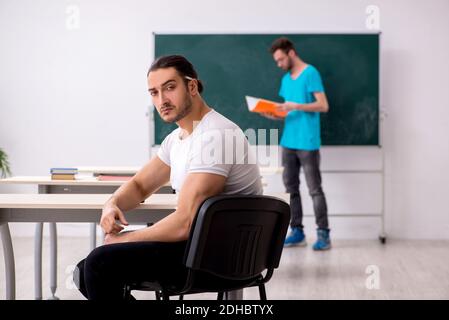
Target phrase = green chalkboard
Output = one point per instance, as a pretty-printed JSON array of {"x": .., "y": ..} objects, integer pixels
[{"x": 234, "y": 65}]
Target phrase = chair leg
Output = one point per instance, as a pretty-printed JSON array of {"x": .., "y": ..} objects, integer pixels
[
  {"x": 165, "y": 295},
  {"x": 220, "y": 295},
  {"x": 262, "y": 293},
  {"x": 126, "y": 292}
]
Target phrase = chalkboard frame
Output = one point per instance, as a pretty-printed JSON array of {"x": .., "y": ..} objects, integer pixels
[{"x": 379, "y": 115}]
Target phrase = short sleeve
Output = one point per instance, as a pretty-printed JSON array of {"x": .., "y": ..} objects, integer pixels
[
  {"x": 208, "y": 154},
  {"x": 164, "y": 151},
  {"x": 282, "y": 89},
  {"x": 314, "y": 82}
]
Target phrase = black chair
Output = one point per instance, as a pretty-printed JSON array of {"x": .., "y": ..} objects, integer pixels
[{"x": 233, "y": 240}]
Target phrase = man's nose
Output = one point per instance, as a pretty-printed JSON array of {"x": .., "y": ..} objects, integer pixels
[{"x": 162, "y": 99}]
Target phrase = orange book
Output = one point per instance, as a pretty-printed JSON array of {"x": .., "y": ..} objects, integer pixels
[
  {"x": 264, "y": 106},
  {"x": 62, "y": 177}
]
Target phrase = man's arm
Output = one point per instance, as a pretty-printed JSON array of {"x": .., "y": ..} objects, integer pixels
[
  {"x": 150, "y": 178},
  {"x": 197, "y": 187},
  {"x": 320, "y": 104}
]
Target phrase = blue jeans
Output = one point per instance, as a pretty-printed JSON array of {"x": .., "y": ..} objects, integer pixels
[{"x": 293, "y": 160}]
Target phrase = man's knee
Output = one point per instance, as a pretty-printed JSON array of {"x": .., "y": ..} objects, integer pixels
[
  {"x": 97, "y": 255},
  {"x": 291, "y": 182},
  {"x": 87, "y": 267},
  {"x": 316, "y": 192},
  {"x": 78, "y": 276}
]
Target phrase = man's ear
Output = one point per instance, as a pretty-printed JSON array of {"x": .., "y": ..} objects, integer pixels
[{"x": 193, "y": 87}]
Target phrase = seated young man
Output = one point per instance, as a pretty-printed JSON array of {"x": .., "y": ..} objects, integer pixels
[{"x": 200, "y": 160}]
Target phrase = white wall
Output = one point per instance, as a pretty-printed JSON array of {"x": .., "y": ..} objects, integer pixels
[{"x": 78, "y": 97}]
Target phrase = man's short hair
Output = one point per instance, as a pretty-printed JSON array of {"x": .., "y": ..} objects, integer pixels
[
  {"x": 182, "y": 66},
  {"x": 283, "y": 44}
]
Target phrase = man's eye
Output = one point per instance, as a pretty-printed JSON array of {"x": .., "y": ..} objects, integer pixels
[
  {"x": 152, "y": 93},
  {"x": 170, "y": 87}
]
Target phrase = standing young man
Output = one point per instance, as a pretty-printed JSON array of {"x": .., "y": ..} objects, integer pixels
[
  {"x": 304, "y": 96},
  {"x": 156, "y": 252}
]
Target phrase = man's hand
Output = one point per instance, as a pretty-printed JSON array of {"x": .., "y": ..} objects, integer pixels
[
  {"x": 287, "y": 106},
  {"x": 110, "y": 214},
  {"x": 271, "y": 116},
  {"x": 320, "y": 104}
]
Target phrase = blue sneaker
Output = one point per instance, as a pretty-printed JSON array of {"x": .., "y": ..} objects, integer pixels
[
  {"x": 324, "y": 241},
  {"x": 296, "y": 238}
]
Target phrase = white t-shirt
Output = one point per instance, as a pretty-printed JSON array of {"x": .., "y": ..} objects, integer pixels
[{"x": 216, "y": 145}]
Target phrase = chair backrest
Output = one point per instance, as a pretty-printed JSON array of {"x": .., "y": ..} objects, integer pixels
[{"x": 237, "y": 236}]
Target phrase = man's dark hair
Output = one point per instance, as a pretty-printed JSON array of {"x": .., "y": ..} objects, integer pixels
[
  {"x": 182, "y": 66},
  {"x": 283, "y": 44}
]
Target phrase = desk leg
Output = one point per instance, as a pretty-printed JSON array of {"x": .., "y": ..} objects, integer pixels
[
  {"x": 45, "y": 189},
  {"x": 53, "y": 261},
  {"x": 93, "y": 236},
  {"x": 10, "y": 273},
  {"x": 38, "y": 261}
]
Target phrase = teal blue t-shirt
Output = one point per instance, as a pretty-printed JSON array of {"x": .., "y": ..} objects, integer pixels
[{"x": 301, "y": 129}]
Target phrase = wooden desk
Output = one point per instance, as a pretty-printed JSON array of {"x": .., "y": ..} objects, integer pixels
[
  {"x": 85, "y": 185},
  {"x": 66, "y": 208}
]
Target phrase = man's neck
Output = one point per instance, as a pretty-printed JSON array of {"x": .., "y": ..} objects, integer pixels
[
  {"x": 298, "y": 67},
  {"x": 199, "y": 110}
]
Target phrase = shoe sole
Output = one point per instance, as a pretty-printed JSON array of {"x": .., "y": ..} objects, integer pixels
[
  {"x": 322, "y": 249},
  {"x": 298, "y": 244}
]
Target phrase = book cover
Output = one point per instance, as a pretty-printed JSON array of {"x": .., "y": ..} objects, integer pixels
[
  {"x": 264, "y": 106},
  {"x": 63, "y": 170},
  {"x": 62, "y": 177}
]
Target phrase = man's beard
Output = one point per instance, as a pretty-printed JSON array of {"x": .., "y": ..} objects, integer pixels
[{"x": 184, "y": 111}]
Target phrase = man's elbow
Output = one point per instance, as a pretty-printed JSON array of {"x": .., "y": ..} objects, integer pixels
[{"x": 325, "y": 108}]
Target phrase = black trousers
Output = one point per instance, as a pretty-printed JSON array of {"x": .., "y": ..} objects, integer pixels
[
  {"x": 107, "y": 269},
  {"x": 293, "y": 160}
]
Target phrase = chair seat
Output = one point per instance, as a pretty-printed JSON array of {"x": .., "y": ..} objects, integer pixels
[{"x": 204, "y": 282}]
